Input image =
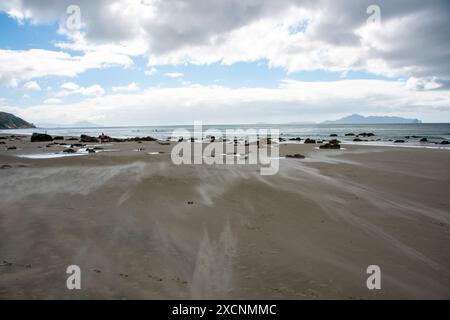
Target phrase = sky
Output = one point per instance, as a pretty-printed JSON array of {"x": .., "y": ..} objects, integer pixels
[{"x": 163, "y": 62}]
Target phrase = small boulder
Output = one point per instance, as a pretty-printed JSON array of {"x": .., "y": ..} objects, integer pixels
[
  {"x": 399, "y": 141},
  {"x": 295, "y": 139},
  {"x": 357, "y": 140},
  {"x": 40, "y": 137},
  {"x": 349, "y": 134},
  {"x": 295, "y": 156},
  {"x": 445, "y": 142},
  {"x": 58, "y": 138},
  {"x": 333, "y": 135},
  {"x": 308, "y": 140},
  {"x": 366, "y": 134},
  {"x": 12, "y": 148},
  {"x": 85, "y": 138},
  {"x": 423, "y": 140}
]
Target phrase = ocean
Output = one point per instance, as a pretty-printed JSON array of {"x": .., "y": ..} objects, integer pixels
[{"x": 384, "y": 134}]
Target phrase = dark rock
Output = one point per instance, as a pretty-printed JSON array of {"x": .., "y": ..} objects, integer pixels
[
  {"x": 143, "y": 139},
  {"x": 51, "y": 144},
  {"x": 12, "y": 148},
  {"x": 295, "y": 156},
  {"x": 5, "y": 166},
  {"x": 180, "y": 139},
  {"x": 41, "y": 137},
  {"x": 308, "y": 140},
  {"x": 2, "y": 142},
  {"x": 357, "y": 140},
  {"x": 399, "y": 141},
  {"x": 445, "y": 142},
  {"x": 85, "y": 138},
  {"x": 58, "y": 138},
  {"x": 77, "y": 145},
  {"x": 212, "y": 139},
  {"x": 69, "y": 150},
  {"x": 72, "y": 139},
  {"x": 423, "y": 140},
  {"x": 295, "y": 139},
  {"x": 366, "y": 134},
  {"x": 332, "y": 144},
  {"x": 333, "y": 135},
  {"x": 90, "y": 150},
  {"x": 349, "y": 134}
]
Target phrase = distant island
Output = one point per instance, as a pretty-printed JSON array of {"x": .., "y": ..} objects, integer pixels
[
  {"x": 10, "y": 121},
  {"x": 359, "y": 119}
]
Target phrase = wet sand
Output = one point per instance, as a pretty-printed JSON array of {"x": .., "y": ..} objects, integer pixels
[{"x": 141, "y": 227}]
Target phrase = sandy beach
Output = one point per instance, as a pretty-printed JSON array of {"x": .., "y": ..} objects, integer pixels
[{"x": 141, "y": 227}]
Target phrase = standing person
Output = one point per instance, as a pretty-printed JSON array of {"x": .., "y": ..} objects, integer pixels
[{"x": 102, "y": 136}]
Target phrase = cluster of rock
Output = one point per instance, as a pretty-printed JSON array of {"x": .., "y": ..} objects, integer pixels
[
  {"x": 43, "y": 137},
  {"x": 332, "y": 144}
]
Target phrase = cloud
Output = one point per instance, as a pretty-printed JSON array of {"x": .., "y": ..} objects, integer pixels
[
  {"x": 70, "y": 88},
  {"x": 52, "y": 101},
  {"x": 31, "y": 85},
  {"x": 291, "y": 34},
  {"x": 290, "y": 101},
  {"x": 424, "y": 84},
  {"x": 151, "y": 71},
  {"x": 174, "y": 75},
  {"x": 128, "y": 88},
  {"x": 19, "y": 65}
]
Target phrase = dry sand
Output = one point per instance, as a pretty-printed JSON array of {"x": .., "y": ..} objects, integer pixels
[{"x": 141, "y": 227}]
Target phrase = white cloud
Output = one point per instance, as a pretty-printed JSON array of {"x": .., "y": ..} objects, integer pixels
[
  {"x": 151, "y": 71},
  {"x": 295, "y": 35},
  {"x": 423, "y": 84},
  {"x": 31, "y": 85},
  {"x": 70, "y": 88},
  {"x": 290, "y": 101},
  {"x": 128, "y": 88},
  {"x": 174, "y": 75},
  {"x": 52, "y": 101},
  {"x": 18, "y": 65}
]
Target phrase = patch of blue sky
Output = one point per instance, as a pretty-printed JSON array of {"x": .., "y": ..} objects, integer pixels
[
  {"x": 25, "y": 36},
  {"x": 301, "y": 26}
]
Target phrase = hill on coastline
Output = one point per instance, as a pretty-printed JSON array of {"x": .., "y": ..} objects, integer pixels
[
  {"x": 359, "y": 119},
  {"x": 10, "y": 121}
]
